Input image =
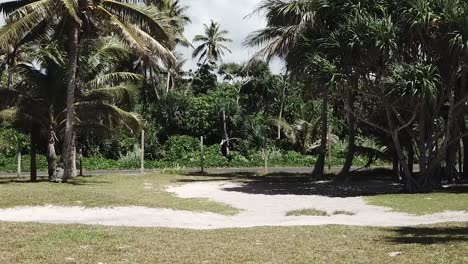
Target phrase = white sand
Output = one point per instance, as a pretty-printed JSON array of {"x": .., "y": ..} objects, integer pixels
[{"x": 257, "y": 210}]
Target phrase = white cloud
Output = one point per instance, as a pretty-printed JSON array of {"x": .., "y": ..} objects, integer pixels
[{"x": 232, "y": 17}]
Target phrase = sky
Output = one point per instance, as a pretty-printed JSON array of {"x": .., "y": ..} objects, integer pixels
[{"x": 231, "y": 15}]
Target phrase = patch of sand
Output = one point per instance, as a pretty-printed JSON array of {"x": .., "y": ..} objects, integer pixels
[{"x": 257, "y": 210}]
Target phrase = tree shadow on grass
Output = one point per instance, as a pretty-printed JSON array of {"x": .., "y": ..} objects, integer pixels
[
  {"x": 79, "y": 181},
  {"x": 430, "y": 235}
]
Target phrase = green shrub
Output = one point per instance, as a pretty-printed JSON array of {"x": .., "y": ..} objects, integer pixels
[{"x": 180, "y": 148}]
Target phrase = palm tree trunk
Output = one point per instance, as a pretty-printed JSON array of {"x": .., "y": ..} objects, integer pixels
[
  {"x": 51, "y": 154},
  {"x": 67, "y": 157},
  {"x": 283, "y": 95},
  {"x": 320, "y": 164}
]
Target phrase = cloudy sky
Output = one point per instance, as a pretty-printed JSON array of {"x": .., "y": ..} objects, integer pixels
[{"x": 231, "y": 15}]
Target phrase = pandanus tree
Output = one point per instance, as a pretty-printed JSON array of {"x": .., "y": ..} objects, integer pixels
[
  {"x": 212, "y": 46},
  {"x": 144, "y": 28}
]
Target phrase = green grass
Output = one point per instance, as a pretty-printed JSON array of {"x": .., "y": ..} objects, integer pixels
[
  {"x": 421, "y": 204},
  {"x": 42, "y": 243},
  {"x": 106, "y": 191},
  {"x": 307, "y": 212},
  {"x": 315, "y": 212}
]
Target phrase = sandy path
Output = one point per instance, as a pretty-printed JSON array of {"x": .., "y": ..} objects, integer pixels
[{"x": 258, "y": 210}]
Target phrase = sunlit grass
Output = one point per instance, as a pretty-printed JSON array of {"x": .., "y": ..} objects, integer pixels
[
  {"x": 106, "y": 191},
  {"x": 421, "y": 204},
  {"x": 42, "y": 243}
]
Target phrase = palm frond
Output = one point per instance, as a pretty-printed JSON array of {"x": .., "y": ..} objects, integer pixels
[{"x": 114, "y": 78}]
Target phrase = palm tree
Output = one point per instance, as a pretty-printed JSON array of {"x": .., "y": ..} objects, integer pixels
[
  {"x": 145, "y": 30},
  {"x": 212, "y": 46},
  {"x": 101, "y": 104},
  {"x": 292, "y": 33}
]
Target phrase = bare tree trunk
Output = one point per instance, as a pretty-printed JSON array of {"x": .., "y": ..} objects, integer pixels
[
  {"x": 320, "y": 164},
  {"x": 34, "y": 142},
  {"x": 351, "y": 120},
  {"x": 67, "y": 157},
  {"x": 51, "y": 154},
  {"x": 73, "y": 165},
  {"x": 283, "y": 95},
  {"x": 465, "y": 149},
  {"x": 225, "y": 144},
  {"x": 411, "y": 157},
  {"x": 451, "y": 150}
]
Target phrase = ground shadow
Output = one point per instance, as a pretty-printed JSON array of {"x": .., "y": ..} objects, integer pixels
[
  {"x": 359, "y": 183},
  {"x": 429, "y": 235},
  {"x": 78, "y": 181}
]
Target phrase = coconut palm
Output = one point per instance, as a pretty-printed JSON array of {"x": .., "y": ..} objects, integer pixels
[
  {"x": 144, "y": 29},
  {"x": 101, "y": 104},
  {"x": 212, "y": 46}
]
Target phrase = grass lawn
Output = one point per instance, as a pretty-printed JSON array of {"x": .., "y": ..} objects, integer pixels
[
  {"x": 454, "y": 199},
  {"x": 106, "y": 191},
  {"x": 42, "y": 243},
  {"x": 315, "y": 212}
]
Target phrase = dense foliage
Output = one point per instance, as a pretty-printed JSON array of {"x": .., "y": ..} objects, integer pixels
[{"x": 366, "y": 81}]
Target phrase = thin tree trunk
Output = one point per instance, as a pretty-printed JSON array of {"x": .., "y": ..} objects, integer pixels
[
  {"x": 67, "y": 157},
  {"x": 73, "y": 165},
  {"x": 226, "y": 136},
  {"x": 34, "y": 142},
  {"x": 283, "y": 95},
  {"x": 51, "y": 154},
  {"x": 451, "y": 150},
  {"x": 349, "y": 104},
  {"x": 465, "y": 149},
  {"x": 411, "y": 157},
  {"x": 411, "y": 184},
  {"x": 320, "y": 164}
]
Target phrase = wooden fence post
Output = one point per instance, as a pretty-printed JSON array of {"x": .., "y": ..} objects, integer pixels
[
  {"x": 202, "y": 156},
  {"x": 142, "y": 154}
]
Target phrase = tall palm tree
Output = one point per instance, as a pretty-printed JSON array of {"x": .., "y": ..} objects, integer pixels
[
  {"x": 102, "y": 104},
  {"x": 212, "y": 46},
  {"x": 293, "y": 28},
  {"x": 145, "y": 29}
]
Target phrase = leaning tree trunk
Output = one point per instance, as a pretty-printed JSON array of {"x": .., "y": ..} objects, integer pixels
[
  {"x": 67, "y": 157},
  {"x": 51, "y": 154},
  {"x": 411, "y": 184},
  {"x": 34, "y": 142},
  {"x": 225, "y": 145},
  {"x": 320, "y": 164},
  {"x": 280, "y": 116},
  {"x": 349, "y": 106}
]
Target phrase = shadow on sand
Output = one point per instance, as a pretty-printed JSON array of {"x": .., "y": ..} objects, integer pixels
[{"x": 362, "y": 183}]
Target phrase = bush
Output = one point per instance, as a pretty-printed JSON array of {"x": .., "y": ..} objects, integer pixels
[{"x": 180, "y": 148}]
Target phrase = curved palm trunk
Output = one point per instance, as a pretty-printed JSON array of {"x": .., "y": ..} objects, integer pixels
[
  {"x": 67, "y": 157},
  {"x": 320, "y": 164}
]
